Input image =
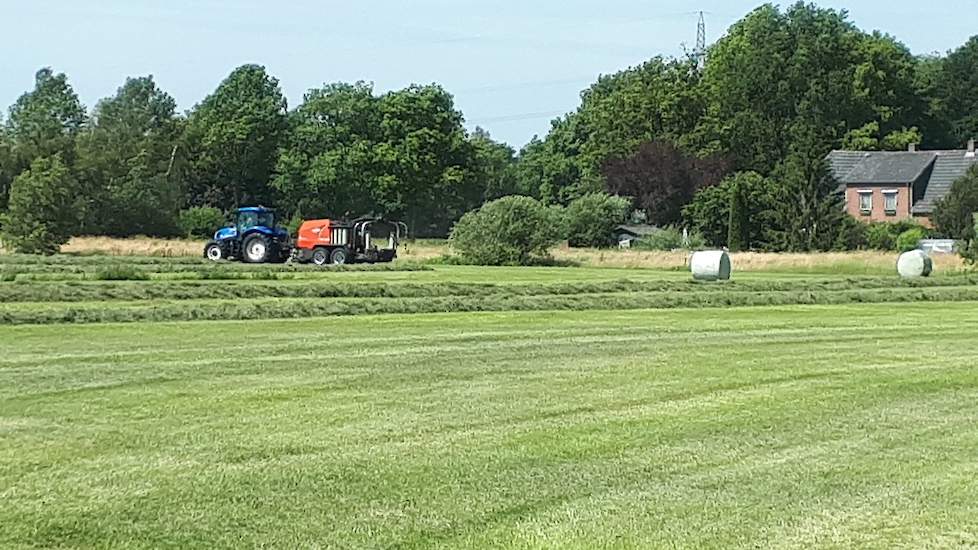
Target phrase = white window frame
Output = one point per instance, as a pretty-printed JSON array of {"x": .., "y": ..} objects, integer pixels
[
  {"x": 887, "y": 193},
  {"x": 861, "y": 193}
]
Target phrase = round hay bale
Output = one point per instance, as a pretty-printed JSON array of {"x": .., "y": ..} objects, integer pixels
[
  {"x": 710, "y": 265},
  {"x": 915, "y": 263}
]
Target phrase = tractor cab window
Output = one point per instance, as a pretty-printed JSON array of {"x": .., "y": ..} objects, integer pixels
[
  {"x": 266, "y": 219},
  {"x": 247, "y": 220}
]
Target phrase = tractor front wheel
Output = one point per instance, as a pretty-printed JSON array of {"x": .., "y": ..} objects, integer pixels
[
  {"x": 214, "y": 252},
  {"x": 320, "y": 256},
  {"x": 258, "y": 249},
  {"x": 338, "y": 257}
]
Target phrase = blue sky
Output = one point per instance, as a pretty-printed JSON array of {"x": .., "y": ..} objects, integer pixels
[{"x": 512, "y": 65}]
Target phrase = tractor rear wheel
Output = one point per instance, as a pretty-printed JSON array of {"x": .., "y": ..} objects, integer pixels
[
  {"x": 338, "y": 257},
  {"x": 258, "y": 249},
  {"x": 214, "y": 252},
  {"x": 320, "y": 256}
]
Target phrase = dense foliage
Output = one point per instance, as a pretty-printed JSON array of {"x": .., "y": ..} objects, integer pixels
[
  {"x": 590, "y": 220},
  {"x": 201, "y": 221},
  {"x": 661, "y": 179},
  {"x": 508, "y": 231},
  {"x": 43, "y": 209},
  {"x": 954, "y": 214},
  {"x": 404, "y": 154},
  {"x": 782, "y": 88}
]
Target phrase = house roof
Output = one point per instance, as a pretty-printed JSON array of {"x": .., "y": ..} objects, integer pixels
[
  {"x": 636, "y": 230},
  {"x": 890, "y": 167},
  {"x": 949, "y": 167},
  {"x": 842, "y": 162},
  {"x": 932, "y": 171}
]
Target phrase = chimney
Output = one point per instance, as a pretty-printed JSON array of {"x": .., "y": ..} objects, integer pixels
[
  {"x": 971, "y": 146},
  {"x": 912, "y": 148}
]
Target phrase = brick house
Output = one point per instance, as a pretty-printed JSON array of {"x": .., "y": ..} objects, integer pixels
[{"x": 885, "y": 186}]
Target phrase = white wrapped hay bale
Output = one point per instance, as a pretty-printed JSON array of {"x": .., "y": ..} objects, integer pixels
[
  {"x": 915, "y": 263},
  {"x": 710, "y": 265}
]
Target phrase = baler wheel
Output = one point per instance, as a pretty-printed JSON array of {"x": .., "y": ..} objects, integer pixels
[{"x": 320, "y": 256}]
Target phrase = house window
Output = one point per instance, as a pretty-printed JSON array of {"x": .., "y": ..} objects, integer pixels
[
  {"x": 866, "y": 202},
  {"x": 890, "y": 201}
]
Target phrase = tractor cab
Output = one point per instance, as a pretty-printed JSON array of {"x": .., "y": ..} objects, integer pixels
[
  {"x": 253, "y": 237},
  {"x": 249, "y": 218}
]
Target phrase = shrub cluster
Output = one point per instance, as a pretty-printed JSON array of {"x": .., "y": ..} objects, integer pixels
[{"x": 507, "y": 231}]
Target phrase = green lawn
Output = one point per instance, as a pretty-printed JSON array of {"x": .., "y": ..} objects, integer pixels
[{"x": 787, "y": 427}]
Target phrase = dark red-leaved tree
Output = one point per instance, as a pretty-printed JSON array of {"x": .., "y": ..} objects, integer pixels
[{"x": 661, "y": 179}]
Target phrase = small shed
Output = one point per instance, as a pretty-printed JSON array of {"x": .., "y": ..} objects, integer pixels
[{"x": 625, "y": 235}]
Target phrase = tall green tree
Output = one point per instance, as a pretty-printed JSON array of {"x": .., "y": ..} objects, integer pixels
[
  {"x": 403, "y": 155},
  {"x": 235, "y": 134},
  {"x": 771, "y": 63},
  {"x": 657, "y": 100},
  {"x": 7, "y": 166},
  {"x": 424, "y": 159},
  {"x": 495, "y": 166},
  {"x": 709, "y": 213},
  {"x": 550, "y": 169},
  {"x": 954, "y": 214},
  {"x": 660, "y": 179},
  {"x": 807, "y": 209},
  {"x": 131, "y": 162},
  {"x": 737, "y": 222},
  {"x": 43, "y": 122},
  {"x": 953, "y": 95},
  {"x": 43, "y": 209},
  {"x": 326, "y": 167}
]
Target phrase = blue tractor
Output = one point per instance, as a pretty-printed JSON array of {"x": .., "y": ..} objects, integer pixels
[{"x": 253, "y": 238}]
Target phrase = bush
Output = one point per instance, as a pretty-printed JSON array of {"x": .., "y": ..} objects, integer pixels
[
  {"x": 43, "y": 208},
  {"x": 507, "y": 231},
  {"x": 591, "y": 219},
  {"x": 853, "y": 235},
  {"x": 879, "y": 236},
  {"x": 953, "y": 214},
  {"x": 884, "y": 235},
  {"x": 709, "y": 212},
  {"x": 201, "y": 221},
  {"x": 670, "y": 238},
  {"x": 969, "y": 249},
  {"x": 910, "y": 239}
]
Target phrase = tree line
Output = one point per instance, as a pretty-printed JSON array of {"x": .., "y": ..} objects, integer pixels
[{"x": 732, "y": 147}]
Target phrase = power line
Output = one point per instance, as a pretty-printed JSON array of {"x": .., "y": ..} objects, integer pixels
[
  {"x": 516, "y": 118},
  {"x": 527, "y": 84}
]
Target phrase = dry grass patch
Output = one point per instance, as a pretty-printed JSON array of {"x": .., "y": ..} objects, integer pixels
[
  {"x": 820, "y": 262},
  {"x": 135, "y": 246}
]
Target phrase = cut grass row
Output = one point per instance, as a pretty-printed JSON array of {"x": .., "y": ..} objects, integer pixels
[
  {"x": 247, "y": 309},
  {"x": 145, "y": 271},
  {"x": 39, "y": 291}
]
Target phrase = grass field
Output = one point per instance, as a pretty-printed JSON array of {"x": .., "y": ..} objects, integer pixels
[
  {"x": 787, "y": 427},
  {"x": 166, "y": 401}
]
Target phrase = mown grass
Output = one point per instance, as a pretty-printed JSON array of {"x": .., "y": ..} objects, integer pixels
[
  {"x": 120, "y": 289},
  {"x": 789, "y": 427},
  {"x": 280, "y": 308},
  {"x": 102, "y": 268}
]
